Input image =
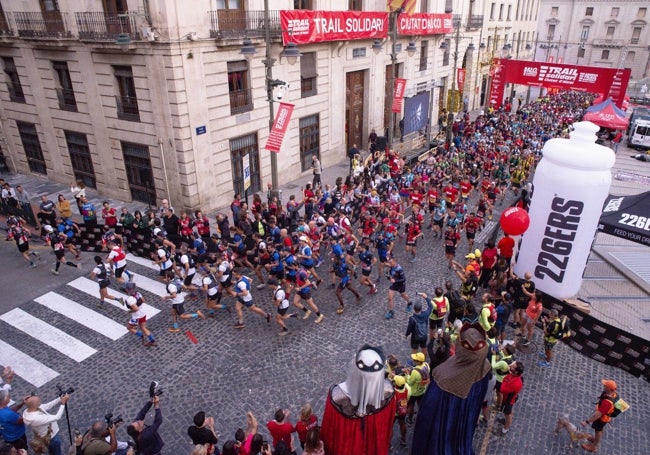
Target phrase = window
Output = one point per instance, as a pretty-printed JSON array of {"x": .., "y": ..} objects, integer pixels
[
  {"x": 241, "y": 99},
  {"x": 308, "y": 75},
  {"x": 50, "y": 5},
  {"x": 424, "y": 55},
  {"x": 642, "y": 12},
  {"x": 584, "y": 35},
  {"x": 138, "y": 172},
  {"x": 65, "y": 92},
  {"x": 241, "y": 147},
  {"x": 355, "y": 5},
  {"x": 554, "y": 10},
  {"x": 303, "y": 4},
  {"x": 13, "y": 81},
  {"x": 501, "y": 11},
  {"x": 615, "y": 12},
  {"x": 32, "y": 147},
  {"x": 228, "y": 4},
  {"x": 492, "y": 7},
  {"x": 509, "y": 12},
  {"x": 445, "y": 55},
  {"x": 550, "y": 35},
  {"x": 636, "y": 35},
  {"x": 127, "y": 100},
  {"x": 581, "y": 52},
  {"x": 589, "y": 11},
  {"x": 82, "y": 163},
  {"x": 309, "y": 130},
  {"x": 629, "y": 59},
  {"x": 610, "y": 32},
  {"x": 605, "y": 54}
]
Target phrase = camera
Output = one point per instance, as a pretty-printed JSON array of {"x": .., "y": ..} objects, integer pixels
[
  {"x": 154, "y": 389},
  {"x": 265, "y": 446},
  {"x": 63, "y": 391},
  {"x": 76, "y": 432},
  {"x": 279, "y": 95},
  {"x": 110, "y": 420}
]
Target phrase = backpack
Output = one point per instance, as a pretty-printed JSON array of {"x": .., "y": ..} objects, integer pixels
[
  {"x": 493, "y": 312},
  {"x": 441, "y": 307},
  {"x": 619, "y": 406},
  {"x": 178, "y": 284},
  {"x": 420, "y": 331},
  {"x": 565, "y": 328},
  {"x": 402, "y": 403},
  {"x": 424, "y": 375}
]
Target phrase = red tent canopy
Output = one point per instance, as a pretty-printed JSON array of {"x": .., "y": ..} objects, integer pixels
[{"x": 607, "y": 115}]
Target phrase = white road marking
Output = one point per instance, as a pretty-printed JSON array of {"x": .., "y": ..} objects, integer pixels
[
  {"x": 83, "y": 315},
  {"x": 91, "y": 288},
  {"x": 48, "y": 334},
  {"x": 28, "y": 368}
]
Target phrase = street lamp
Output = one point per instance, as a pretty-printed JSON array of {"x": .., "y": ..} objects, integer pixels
[{"x": 291, "y": 53}]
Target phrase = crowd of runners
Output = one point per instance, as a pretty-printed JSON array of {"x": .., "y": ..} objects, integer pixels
[{"x": 348, "y": 236}]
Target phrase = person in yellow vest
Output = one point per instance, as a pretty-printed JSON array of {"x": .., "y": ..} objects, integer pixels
[
  {"x": 418, "y": 379},
  {"x": 401, "y": 398}
]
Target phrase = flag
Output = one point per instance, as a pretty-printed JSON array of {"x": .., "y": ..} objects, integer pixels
[{"x": 407, "y": 6}]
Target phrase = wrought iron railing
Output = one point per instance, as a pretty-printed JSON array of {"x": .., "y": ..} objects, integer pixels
[
  {"x": 101, "y": 26},
  {"x": 241, "y": 101},
  {"x": 236, "y": 23},
  {"x": 67, "y": 101},
  {"x": 608, "y": 43},
  {"x": 127, "y": 108},
  {"x": 40, "y": 25}
]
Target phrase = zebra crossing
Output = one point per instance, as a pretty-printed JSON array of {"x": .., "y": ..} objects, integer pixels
[{"x": 35, "y": 370}]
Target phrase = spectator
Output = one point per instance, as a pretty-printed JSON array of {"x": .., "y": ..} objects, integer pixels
[
  {"x": 63, "y": 206},
  {"x": 109, "y": 215},
  {"x": 313, "y": 443},
  {"x": 94, "y": 442},
  {"x": 12, "y": 427},
  {"x": 47, "y": 214},
  {"x": 78, "y": 191},
  {"x": 281, "y": 428},
  {"x": 43, "y": 424},
  {"x": 146, "y": 437},
  {"x": 510, "y": 388},
  {"x": 307, "y": 421},
  {"x": 88, "y": 211},
  {"x": 202, "y": 432}
]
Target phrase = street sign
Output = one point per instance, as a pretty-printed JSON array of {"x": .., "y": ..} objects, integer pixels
[
  {"x": 246, "y": 165},
  {"x": 201, "y": 130}
]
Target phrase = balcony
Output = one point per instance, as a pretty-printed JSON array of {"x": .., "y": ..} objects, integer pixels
[
  {"x": 40, "y": 25},
  {"x": 101, "y": 26},
  {"x": 127, "y": 108},
  {"x": 67, "y": 101},
  {"x": 475, "y": 21},
  {"x": 608, "y": 43},
  {"x": 241, "y": 101},
  {"x": 16, "y": 92},
  {"x": 226, "y": 24}
]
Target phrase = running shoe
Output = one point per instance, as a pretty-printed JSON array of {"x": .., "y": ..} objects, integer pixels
[
  {"x": 544, "y": 364},
  {"x": 284, "y": 332},
  {"x": 388, "y": 315},
  {"x": 240, "y": 325},
  {"x": 340, "y": 310},
  {"x": 307, "y": 314},
  {"x": 174, "y": 329},
  {"x": 261, "y": 286},
  {"x": 54, "y": 272},
  {"x": 319, "y": 319}
]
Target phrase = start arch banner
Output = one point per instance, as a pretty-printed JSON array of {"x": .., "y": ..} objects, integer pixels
[{"x": 611, "y": 82}]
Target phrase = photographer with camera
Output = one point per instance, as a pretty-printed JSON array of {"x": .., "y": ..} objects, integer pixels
[
  {"x": 146, "y": 437},
  {"x": 45, "y": 429},
  {"x": 94, "y": 441}
]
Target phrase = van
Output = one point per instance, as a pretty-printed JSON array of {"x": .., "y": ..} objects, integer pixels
[{"x": 639, "y": 136}]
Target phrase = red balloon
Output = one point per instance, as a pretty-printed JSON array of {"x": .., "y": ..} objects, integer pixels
[{"x": 514, "y": 221}]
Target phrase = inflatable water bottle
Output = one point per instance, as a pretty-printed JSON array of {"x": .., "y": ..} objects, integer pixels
[{"x": 570, "y": 186}]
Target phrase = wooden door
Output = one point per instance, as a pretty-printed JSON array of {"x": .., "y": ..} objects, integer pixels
[
  {"x": 114, "y": 23},
  {"x": 354, "y": 119},
  {"x": 52, "y": 16},
  {"x": 231, "y": 16}
]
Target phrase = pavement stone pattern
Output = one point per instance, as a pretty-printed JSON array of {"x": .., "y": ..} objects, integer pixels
[{"x": 230, "y": 372}]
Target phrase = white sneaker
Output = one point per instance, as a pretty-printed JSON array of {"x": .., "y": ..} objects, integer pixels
[{"x": 307, "y": 314}]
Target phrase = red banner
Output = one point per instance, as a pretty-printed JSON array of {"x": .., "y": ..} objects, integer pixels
[
  {"x": 424, "y": 24},
  {"x": 280, "y": 125},
  {"x": 304, "y": 27},
  {"x": 608, "y": 81},
  {"x": 398, "y": 94},
  {"x": 460, "y": 78}
]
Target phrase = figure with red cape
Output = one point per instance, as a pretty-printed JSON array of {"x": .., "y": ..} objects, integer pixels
[
  {"x": 450, "y": 408},
  {"x": 359, "y": 412}
]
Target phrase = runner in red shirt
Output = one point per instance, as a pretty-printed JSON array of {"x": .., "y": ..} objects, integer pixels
[
  {"x": 510, "y": 387},
  {"x": 472, "y": 224},
  {"x": 450, "y": 193},
  {"x": 506, "y": 247},
  {"x": 465, "y": 189}
]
